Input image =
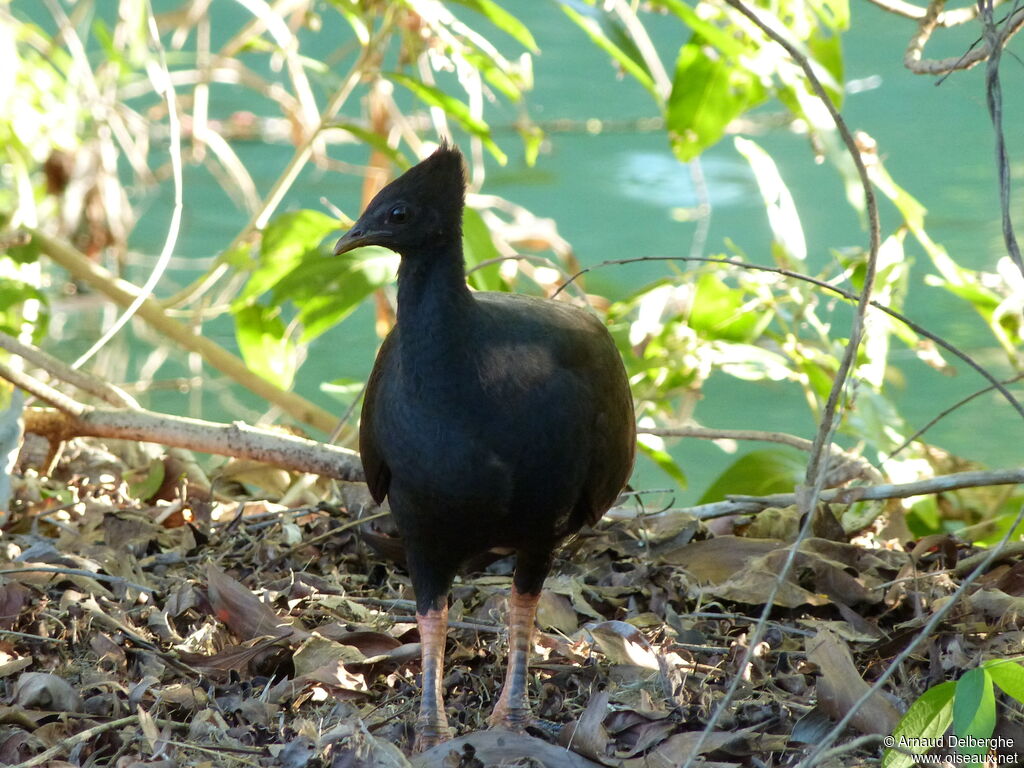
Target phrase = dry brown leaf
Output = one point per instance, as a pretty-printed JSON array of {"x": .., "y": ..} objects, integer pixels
[
  {"x": 554, "y": 611},
  {"x": 716, "y": 560},
  {"x": 317, "y": 652},
  {"x": 241, "y": 611},
  {"x": 623, "y": 643},
  {"x": 588, "y": 735},
  {"x": 13, "y": 599},
  {"x": 41, "y": 690},
  {"x": 840, "y": 685},
  {"x": 233, "y": 657},
  {"x": 674, "y": 751},
  {"x": 993, "y": 604}
]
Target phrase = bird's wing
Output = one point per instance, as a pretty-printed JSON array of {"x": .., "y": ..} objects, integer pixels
[{"x": 377, "y": 471}]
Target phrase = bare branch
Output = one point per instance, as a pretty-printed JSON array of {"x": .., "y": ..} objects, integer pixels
[
  {"x": 43, "y": 391},
  {"x": 953, "y": 18},
  {"x": 995, "y": 39},
  {"x": 850, "y": 465},
  {"x": 238, "y": 440},
  {"x": 85, "y": 382},
  {"x": 914, "y": 61}
]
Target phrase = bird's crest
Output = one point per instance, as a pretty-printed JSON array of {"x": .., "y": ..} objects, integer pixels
[{"x": 440, "y": 178}]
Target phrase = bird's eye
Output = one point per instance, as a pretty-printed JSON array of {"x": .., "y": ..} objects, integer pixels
[{"x": 398, "y": 214}]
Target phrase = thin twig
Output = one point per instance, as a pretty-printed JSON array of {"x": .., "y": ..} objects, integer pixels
[
  {"x": 77, "y": 572},
  {"x": 952, "y": 18},
  {"x": 956, "y": 406},
  {"x": 26, "y": 636},
  {"x": 43, "y": 391},
  {"x": 814, "y": 477},
  {"x": 82, "y": 737},
  {"x": 940, "y": 484},
  {"x": 171, "y": 239},
  {"x": 861, "y": 465},
  {"x": 995, "y": 40}
]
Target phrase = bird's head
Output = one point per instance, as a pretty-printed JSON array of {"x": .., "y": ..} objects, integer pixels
[{"x": 419, "y": 211}]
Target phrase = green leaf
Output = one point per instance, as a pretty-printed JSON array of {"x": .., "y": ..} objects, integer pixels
[
  {"x": 144, "y": 482},
  {"x": 375, "y": 140},
  {"x": 731, "y": 46},
  {"x": 478, "y": 247},
  {"x": 759, "y": 473},
  {"x": 927, "y": 719},
  {"x": 285, "y": 241},
  {"x": 264, "y": 344},
  {"x": 974, "y": 708},
  {"x": 611, "y": 36},
  {"x": 1008, "y": 674},
  {"x": 662, "y": 458},
  {"x": 778, "y": 202},
  {"x": 326, "y": 288},
  {"x": 834, "y": 14},
  {"x": 721, "y": 312},
  {"x": 454, "y": 108},
  {"x": 504, "y": 21},
  {"x": 707, "y": 94}
]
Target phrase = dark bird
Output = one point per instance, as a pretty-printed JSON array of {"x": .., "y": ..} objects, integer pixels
[{"x": 490, "y": 420}]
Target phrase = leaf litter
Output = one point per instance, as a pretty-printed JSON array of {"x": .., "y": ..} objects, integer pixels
[{"x": 147, "y": 621}]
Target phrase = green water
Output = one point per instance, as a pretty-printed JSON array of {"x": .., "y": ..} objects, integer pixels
[{"x": 612, "y": 195}]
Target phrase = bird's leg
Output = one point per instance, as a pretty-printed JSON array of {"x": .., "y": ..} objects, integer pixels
[
  {"x": 513, "y": 708},
  {"x": 432, "y": 723}
]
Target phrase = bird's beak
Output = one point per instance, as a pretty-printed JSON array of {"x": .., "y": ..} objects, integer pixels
[{"x": 356, "y": 237}]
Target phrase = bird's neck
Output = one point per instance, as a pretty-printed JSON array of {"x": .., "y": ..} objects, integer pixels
[{"x": 433, "y": 307}]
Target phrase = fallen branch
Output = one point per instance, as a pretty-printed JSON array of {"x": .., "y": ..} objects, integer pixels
[
  {"x": 941, "y": 484},
  {"x": 238, "y": 440}
]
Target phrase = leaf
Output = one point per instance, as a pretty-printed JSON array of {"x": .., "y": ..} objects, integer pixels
[
  {"x": 265, "y": 345},
  {"x": 144, "y": 482},
  {"x": 721, "y": 312},
  {"x": 327, "y": 289},
  {"x": 285, "y": 241},
  {"x": 778, "y": 202},
  {"x": 241, "y": 611},
  {"x": 454, "y": 108},
  {"x": 758, "y": 473},
  {"x": 623, "y": 643},
  {"x": 927, "y": 719},
  {"x": 478, "y": 247},
  {"x": 1008, "y": 674},
  {"x": 840, "y": 686},
  {"x": 974, "y": 708},
  {"x": 611, "y": 37},
  {"x": 707, "y": 94},
  {"x": 504, "y": 21},
  {"x": 723, "y": 41}
]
